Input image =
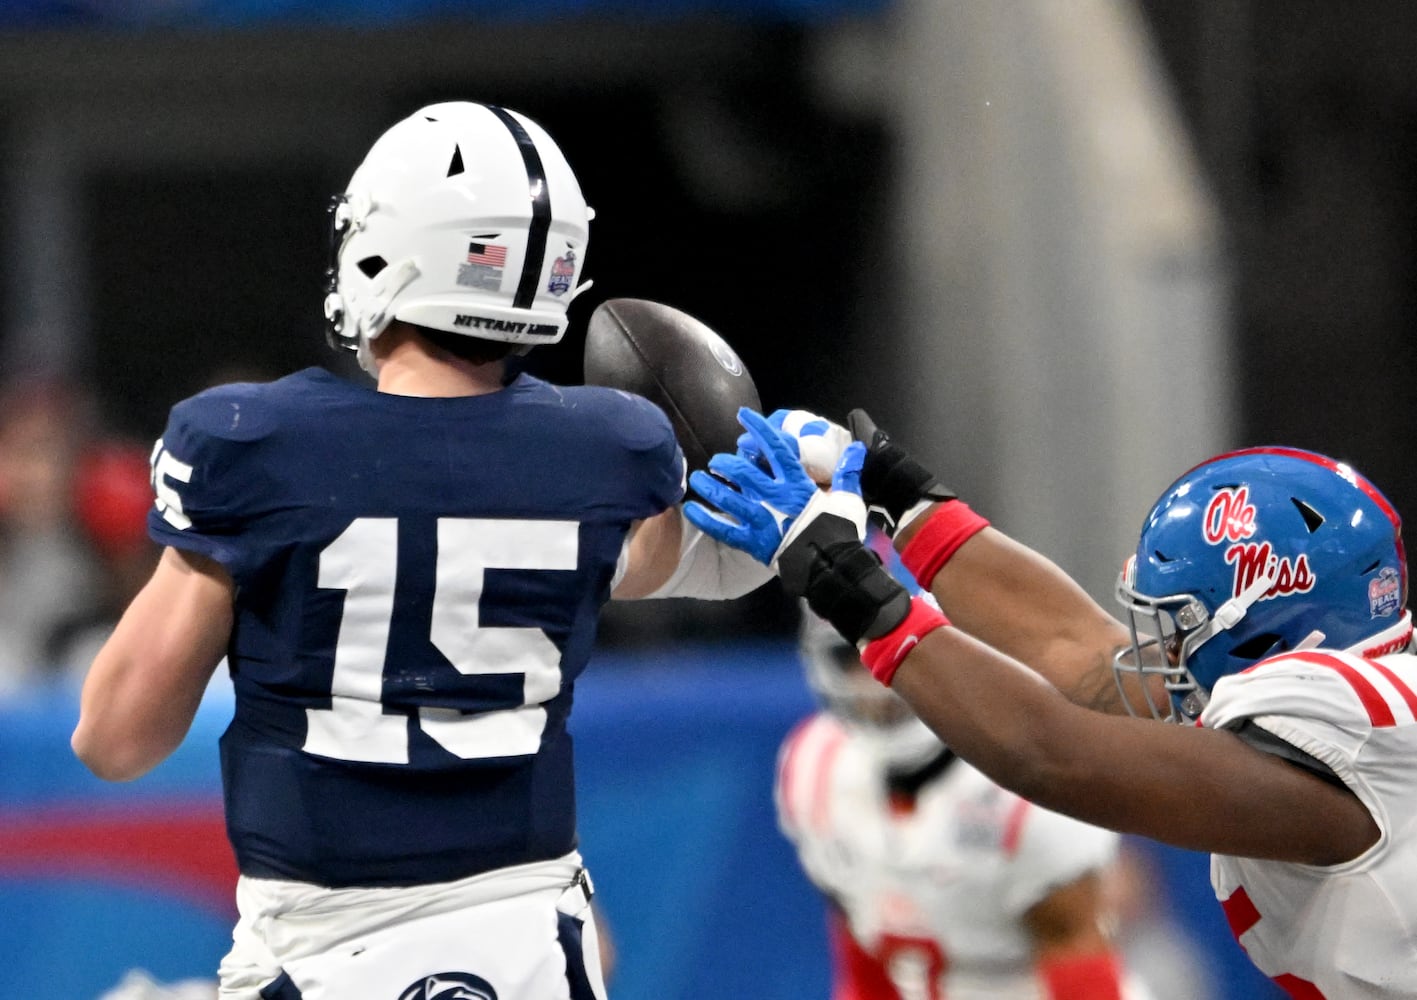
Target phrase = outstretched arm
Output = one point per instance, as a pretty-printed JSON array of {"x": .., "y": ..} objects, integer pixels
[
  {"x": 1024, "y": 605},
  {"x": 1199, "y": 789},
  {"x": 993, "y": 587}
]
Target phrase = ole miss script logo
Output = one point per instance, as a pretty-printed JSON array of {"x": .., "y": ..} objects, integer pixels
[{"x": 1230, "y": 521}]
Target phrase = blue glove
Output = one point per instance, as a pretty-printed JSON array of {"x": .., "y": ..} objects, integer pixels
[
  {"x": 754, "y": 506},
  {"x": 756, "y": 509},
  {"x": 815, "y": 440},
  {"x": 812, "y": 538}
]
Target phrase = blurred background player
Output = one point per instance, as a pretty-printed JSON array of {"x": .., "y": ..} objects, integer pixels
[
  {"x": 112, "y": 496},
  {"x": 939, "y": 882},
  {"x": 405, "y": 582},
  {"x": 47, "y": 574}
]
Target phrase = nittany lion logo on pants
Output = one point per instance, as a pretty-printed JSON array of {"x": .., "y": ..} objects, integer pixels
[{"x": 450, "y": 986}]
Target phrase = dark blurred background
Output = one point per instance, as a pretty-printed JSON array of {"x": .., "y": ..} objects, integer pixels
[
  {"x": 1304, "y": 116},
  {"x": 168, "y": 164}
]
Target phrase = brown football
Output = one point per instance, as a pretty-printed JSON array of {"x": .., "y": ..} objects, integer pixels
[{"x": 676, "y": 362}]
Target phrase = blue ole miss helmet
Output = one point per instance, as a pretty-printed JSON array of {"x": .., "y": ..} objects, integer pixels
[{"x": 1255, "y": 553}]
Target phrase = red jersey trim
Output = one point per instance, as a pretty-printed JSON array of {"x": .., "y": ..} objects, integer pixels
[
  {"x": 1240, "y": 912},
  {"x": 1398, "y": 684},
  {"x": 1013, "y": 827},
  {"x": 1373, "y": 702}
]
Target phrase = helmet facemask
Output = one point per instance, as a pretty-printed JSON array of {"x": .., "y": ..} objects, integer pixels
[
  {"x": 1158, "y": 649},
  {"x": 1166, "y": 633}
]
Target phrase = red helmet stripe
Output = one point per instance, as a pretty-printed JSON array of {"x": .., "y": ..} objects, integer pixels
[{"x": 1359, "y": 480}]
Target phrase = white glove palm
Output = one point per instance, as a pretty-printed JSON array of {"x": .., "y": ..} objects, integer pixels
[{"x": 819, "y": 443}]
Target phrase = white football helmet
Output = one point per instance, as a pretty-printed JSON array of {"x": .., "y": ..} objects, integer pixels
[
  {"x": 464, "y": 218},
  {"x": 874, "y": 713}
]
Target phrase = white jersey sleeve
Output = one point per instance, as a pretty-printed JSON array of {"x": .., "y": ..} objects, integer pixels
[
  {"x": 1343, "y": 930},
  {"x": 803, "y": 798},
  {"x": 709, "y": 570},
  {"x": 1327, "y": 704},
  {"x": 1051, "y": 851}
]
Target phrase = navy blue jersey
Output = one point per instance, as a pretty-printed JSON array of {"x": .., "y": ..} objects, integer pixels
[{"x": 418, "y": 584}]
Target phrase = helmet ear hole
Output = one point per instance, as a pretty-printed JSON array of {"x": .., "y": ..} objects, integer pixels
[
  {"x": 372, "y": 265},
  {"x": 1256, "y": 646}
]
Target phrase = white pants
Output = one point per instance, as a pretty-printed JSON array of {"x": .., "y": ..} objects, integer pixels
[{"x": 523, "y": 933}]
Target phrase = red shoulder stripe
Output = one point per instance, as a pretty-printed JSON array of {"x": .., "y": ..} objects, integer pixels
[
  {"x": 789, "y": 767},
  {"x": 1398, "y": 683},
  {"x": 1373, "y": 702},
  {"x": 806, "y": 765},
  {"x": 1013, "y": 827},
  {"x": 821, "y": 790},
  {"x": 1240, "y": 912}
]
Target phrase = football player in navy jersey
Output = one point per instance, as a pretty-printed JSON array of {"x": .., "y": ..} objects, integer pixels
[{"x": 405, "y": 581}]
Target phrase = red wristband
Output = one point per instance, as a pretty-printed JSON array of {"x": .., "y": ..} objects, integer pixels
[
  {"x": 951, "y": 525},
  {"x": 1082, "y": 977},
  {"x": 884, "y": 655}
]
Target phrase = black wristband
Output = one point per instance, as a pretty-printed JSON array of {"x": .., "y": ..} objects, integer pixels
[
  {"x": 890, "y": 478},
  {"x": 842, "y": 580}
]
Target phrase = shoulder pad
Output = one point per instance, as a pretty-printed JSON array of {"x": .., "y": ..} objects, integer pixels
[
  {"x": 1340, "y": 689},
  {"x": 802, "y": 767},
  {"x": 235, "y": 412},
  {"x": 635, "y": 421}
]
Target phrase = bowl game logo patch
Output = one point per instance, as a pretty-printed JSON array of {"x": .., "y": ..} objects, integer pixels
[
  {"x": 1385, "y": 593},
  {"x": 563, "y": 272}
]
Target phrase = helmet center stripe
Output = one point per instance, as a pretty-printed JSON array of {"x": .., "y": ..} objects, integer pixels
[{"x": 540, "y": 209}]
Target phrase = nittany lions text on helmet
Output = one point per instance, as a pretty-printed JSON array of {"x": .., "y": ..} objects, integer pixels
[
  {"x": 1255, "y": 553},
  {"x": 464, "y": 218}
]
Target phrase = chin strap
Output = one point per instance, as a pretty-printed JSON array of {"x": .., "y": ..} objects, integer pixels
[
  {"x": 371, "y": 322},
  {"x": 1233, "y": 611}
]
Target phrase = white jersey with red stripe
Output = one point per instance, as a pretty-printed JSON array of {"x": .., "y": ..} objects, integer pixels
[
  {"x": 1349, "y": 931},
  {"x": 936, "y": 894}
]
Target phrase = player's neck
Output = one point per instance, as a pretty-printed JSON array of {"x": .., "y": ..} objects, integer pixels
[{"x": 409, "y": 369}]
